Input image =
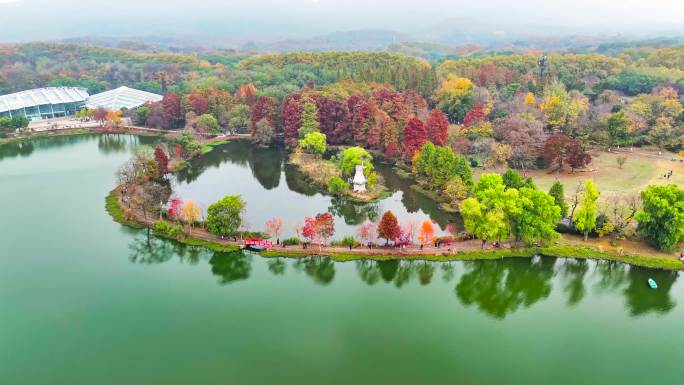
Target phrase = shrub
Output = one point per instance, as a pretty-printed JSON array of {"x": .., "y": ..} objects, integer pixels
[
  {"x": 346, "y": 242},
  {"x": 337, "y": 186},
  {"x": 313, "y": 143},
  {"x": 291, "y": 241},
  {"x": 168, "y": 229},
  {"x": 372, "y": 179}
]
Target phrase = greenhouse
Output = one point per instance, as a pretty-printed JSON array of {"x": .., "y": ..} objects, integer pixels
[
  {"x": 120, "y": 98},
  {"x": 44, "y": 103}
]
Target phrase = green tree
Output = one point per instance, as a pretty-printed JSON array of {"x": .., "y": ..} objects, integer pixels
[
  {"x": 587, "y": 210},
  {"x": 455, "y": 97},
  {"x": 439, "y": 165},
  {"x": 354, "y": 156},
  {"x": 535, "y": 216},
  {"x": 616, "y": 125},
  {"x": 337, "y": 185},
  {"x": 141, "y": 115},
  {"x": 514, "y": 180},
  {"x": 313, "y": 143},
  {"x": 238, "y": 118},
  {"x": 207, "y": 122},
  {"x": 455, "y": 190},
  {"x": 558, "y": 194},
  {"x": 661, "y": 220},
  {"x": 487, "y": 215},
  {"x": 225, "y": 216},
  {"x": 309, "y": 120}
]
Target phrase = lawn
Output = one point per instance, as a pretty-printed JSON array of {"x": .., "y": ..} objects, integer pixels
[{"x": 640, "y": 170}]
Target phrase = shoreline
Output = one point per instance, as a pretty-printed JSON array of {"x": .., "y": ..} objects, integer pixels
[
  {"x": 78, "y": 131},
  {"x": 565, "y": 247},
  {"x": 468, "y": 250}
]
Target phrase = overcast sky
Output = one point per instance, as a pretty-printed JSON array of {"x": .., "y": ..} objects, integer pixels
[{"x": 267, "y": 19}]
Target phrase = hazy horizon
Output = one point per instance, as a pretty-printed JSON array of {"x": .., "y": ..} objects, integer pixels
[{"x": 264, "y": 20}]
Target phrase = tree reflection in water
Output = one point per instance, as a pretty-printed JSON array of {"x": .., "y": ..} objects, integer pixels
[
  {"x": 354, "y": 213},
  {"x": 500, "y": 287},
  {"x": 641, "y": 299},
  {"x": 415, "y": 201},
  {"x": 12, "y": 150},
  {"x": 264, "y": 163},
  {"x": 574, "y": 271},
  {"x": 320, "y": 269},
  {"x": 276, "y": 266},
  {"x": 231, "y": 267},
  {"x": 496, "y": 287},
  {"x": 149, "y": 249},
  {"x": 369, "y": 271}
]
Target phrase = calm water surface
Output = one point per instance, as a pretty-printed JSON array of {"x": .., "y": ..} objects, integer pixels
[{"x": 84, "y": 300}]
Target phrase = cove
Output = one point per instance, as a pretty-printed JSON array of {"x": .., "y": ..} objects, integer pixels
[{"x": 84, "y": 300}]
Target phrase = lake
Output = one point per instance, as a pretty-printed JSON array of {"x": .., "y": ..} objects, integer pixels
[{"x": 84, "y": 300}]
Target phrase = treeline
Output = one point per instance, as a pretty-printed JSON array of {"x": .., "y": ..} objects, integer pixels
[
  {"x": 33, "y": 65},
  {"x": 400, "y": 71}
]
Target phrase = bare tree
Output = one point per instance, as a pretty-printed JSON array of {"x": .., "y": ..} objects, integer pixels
[
  {"x": 620, "y": 211},
  {"x": 576, "y": 198}
]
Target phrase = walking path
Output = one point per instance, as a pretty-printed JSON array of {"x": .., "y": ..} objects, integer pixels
[{"x": 627, "y": 251}]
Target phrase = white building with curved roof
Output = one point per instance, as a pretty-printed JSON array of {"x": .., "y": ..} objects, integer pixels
[
  {"x": 122, "y": 97},
  {"x": 44, "y": 103}
]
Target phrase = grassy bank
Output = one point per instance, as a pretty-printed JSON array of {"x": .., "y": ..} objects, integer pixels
[
  {"x": 561, "y": 251},
  {"x": 209, "y": 147},
  {"x": 116, "y": 211},
  {"x": 113, "y": 207}
]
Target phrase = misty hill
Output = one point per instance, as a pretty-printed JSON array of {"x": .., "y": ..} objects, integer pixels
[{"x": 358, "y": 40}]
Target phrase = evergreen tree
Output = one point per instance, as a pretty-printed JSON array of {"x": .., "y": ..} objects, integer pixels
[
  {"x": 558, "y": 194},
  {"x": 309, "y": 120}
]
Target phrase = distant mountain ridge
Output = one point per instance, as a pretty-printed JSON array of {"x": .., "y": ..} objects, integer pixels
[{"x": 354, "y": 40}]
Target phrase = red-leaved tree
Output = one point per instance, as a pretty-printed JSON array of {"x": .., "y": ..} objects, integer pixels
[
  {"x": 264, "y": 108},
  {"x": 415, "y": 136},
  {"x": 474, "y": 116},
  {"x": 319, "y": 229},
  {"x": 438, "y": 127},
  {"x": 198, "y": 103},
  {"x": 560, "y": 149},
  {"x": 162, "y": 160},
  {"x": 292, "y": 115},
  {"x": 100, "y": 115},
  {"x": 388, "y": 228},
  {"x": 171, "y": 107}
]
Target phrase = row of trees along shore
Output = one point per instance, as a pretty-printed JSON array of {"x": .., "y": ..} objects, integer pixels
[{"x": 500, "y": 207}]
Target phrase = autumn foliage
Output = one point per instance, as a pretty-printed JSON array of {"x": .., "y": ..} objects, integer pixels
[
  {"x": 474, "y": 116},
  {"x": 415, "y": 137},
  {"x": 162, "y": 160},
  {"x": 388, "y": 228},
  {"x": 560, "y": 150},
  {"x": 437, "y": 127},
  {"x": 319, "y": 229}
]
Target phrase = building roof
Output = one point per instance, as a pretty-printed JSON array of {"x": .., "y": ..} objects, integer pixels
[
  {"x": 122, "y": 97},
  {"x": 41, "y": 96}
]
